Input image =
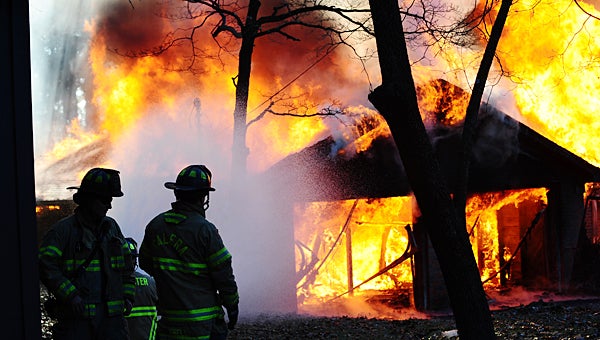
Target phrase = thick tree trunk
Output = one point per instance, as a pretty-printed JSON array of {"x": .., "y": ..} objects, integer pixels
[
  {"x": 239, "y": 148},
  {"x": 396, "y": 100}
]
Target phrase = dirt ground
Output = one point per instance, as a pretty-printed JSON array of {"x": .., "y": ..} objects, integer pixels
[
  {"x": 573, "y": 319},
  {"x": 532, "y": 316}
]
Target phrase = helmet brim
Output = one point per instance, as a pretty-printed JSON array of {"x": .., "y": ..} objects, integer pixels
[
  {"x": 118, "y": 194},
  {"x": 175, "y": 186}
]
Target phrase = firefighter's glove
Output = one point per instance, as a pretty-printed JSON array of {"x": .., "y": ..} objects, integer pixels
[
  {"x": 128, "y": 307},
  {"x": 232, "y": 315},
  {"x": 77, "y": 305}
]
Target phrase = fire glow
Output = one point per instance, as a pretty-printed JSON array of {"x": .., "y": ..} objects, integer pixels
[
  {"x": 339, "y": 245},
  {"x": 361, "y": 237},
  {"x": 126, "y": 90},
  {"x": 557, "y": 71}
]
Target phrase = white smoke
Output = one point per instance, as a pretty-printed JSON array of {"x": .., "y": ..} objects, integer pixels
[
  {"x": 58, "y": 61},
  {"x": 153, "y": 152}
]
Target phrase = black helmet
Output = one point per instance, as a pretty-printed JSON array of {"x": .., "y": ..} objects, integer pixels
[
  {"x": 192, "y": 177},
  {"x": 132, "y": 245},
  {"x": 102, "y": 182}
]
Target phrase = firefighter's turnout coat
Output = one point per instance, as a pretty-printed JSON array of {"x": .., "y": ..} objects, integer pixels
[
  {"x": 143, "y": 317},
  {"x": 104, "y": 284},
  {"x": 185, "y": 254}
]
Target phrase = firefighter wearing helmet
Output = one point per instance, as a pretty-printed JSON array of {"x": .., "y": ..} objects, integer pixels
[
  {"x": 81, "y": 262},
  {"x": 192, "y": 268},
  {"x": 143, "y": 318}
]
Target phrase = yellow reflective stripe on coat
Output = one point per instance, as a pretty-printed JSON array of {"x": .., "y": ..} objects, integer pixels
[
  {"x": 72, "y": 265},
  {"x": 129, "y": 289},
  {"x": 174, "y": 218},
  {"x": 201, "y": 314},
  {"x": 66, "y": 288},
  {"x": 50, "y": 251},
  {"x": 142, "y": 311},
  {"x": 219, "y": 257},
  {"x": 117, "y": 261},
  {"x": 90, "y": 309},
  {"x": 115, "y": 307},
  {"x": 179, "y": 266}
]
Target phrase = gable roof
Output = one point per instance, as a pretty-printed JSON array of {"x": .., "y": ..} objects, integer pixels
[{"x": 506, "y": 155}]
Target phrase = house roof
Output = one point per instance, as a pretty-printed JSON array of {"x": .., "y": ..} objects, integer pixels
[{"x": 506, "y": 155}]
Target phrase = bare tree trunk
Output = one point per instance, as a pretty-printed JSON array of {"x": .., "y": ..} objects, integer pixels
[
  {"x": 460, "y": 191},
  {"x": 240, "y": 150},
  {"x": 449, "y": 239}
]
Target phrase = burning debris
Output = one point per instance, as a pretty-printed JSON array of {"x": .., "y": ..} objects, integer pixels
[{"x": 349, "y": 219}]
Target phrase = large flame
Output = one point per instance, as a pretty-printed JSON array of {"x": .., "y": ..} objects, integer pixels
[
  {"x": 363, "y": 236},
  {"x": 127, "y": 89},
  {"x": 482, "y": 224},
  {"x": 551, "y": 50},
  {"x": 356, "y": 236},
  {"x": 555, "y": 92},
  {"x": 555, "y": 86}
]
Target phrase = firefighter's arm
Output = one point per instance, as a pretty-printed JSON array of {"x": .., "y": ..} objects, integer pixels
[
  {"x": 223, "y": 278},
  {"x": 50, "y": 258},
  {"x": 128, "y": 279},
  {"x": 221, "y": 272},
  {"x": 219, "y": 262},
  {"x": 128, "y": 290}
]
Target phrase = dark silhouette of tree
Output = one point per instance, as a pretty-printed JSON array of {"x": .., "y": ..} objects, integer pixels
[{"x": 443, "y": 215}]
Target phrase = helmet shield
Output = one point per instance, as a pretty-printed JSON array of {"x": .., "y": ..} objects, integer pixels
[
  {"x": 192, "y": 178},
  {"x": 101, "y": 182}
]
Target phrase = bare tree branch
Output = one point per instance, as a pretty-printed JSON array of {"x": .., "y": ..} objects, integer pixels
[
  {"x": 584, "y": 11},
  {"x": 235, "y": 26}
]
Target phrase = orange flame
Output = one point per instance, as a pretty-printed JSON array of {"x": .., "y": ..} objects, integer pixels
[
  {"x": 326, "y": 254},
  {"x": 551, "y": 49},
  {"x": 126, "y": 90},
  {"x": 482, "y": 224},
  {"x": 77, "y": 136}
]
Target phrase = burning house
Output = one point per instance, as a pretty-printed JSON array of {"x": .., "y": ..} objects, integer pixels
[
  {"x": 356, "y": 228},
  {"x": 342, "y": 220},
  {"x": 352, "y": 230}
]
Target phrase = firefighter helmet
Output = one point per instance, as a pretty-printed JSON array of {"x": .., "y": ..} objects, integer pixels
[
  {"x": 192, "y": 177},
  {"x": 132, "y": 246},
  {"x": 102, "y": 182}
]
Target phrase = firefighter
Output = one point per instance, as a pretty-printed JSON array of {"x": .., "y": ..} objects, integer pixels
[
  {"x": 185, "y": 254},
  {"x": 143, "y": 317},
  {"x": 82, "y": 263}
]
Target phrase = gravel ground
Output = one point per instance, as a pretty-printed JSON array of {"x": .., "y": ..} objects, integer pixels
[
  {"x": 574, "y": 319},
  {"x": 549, "y": 317}
]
